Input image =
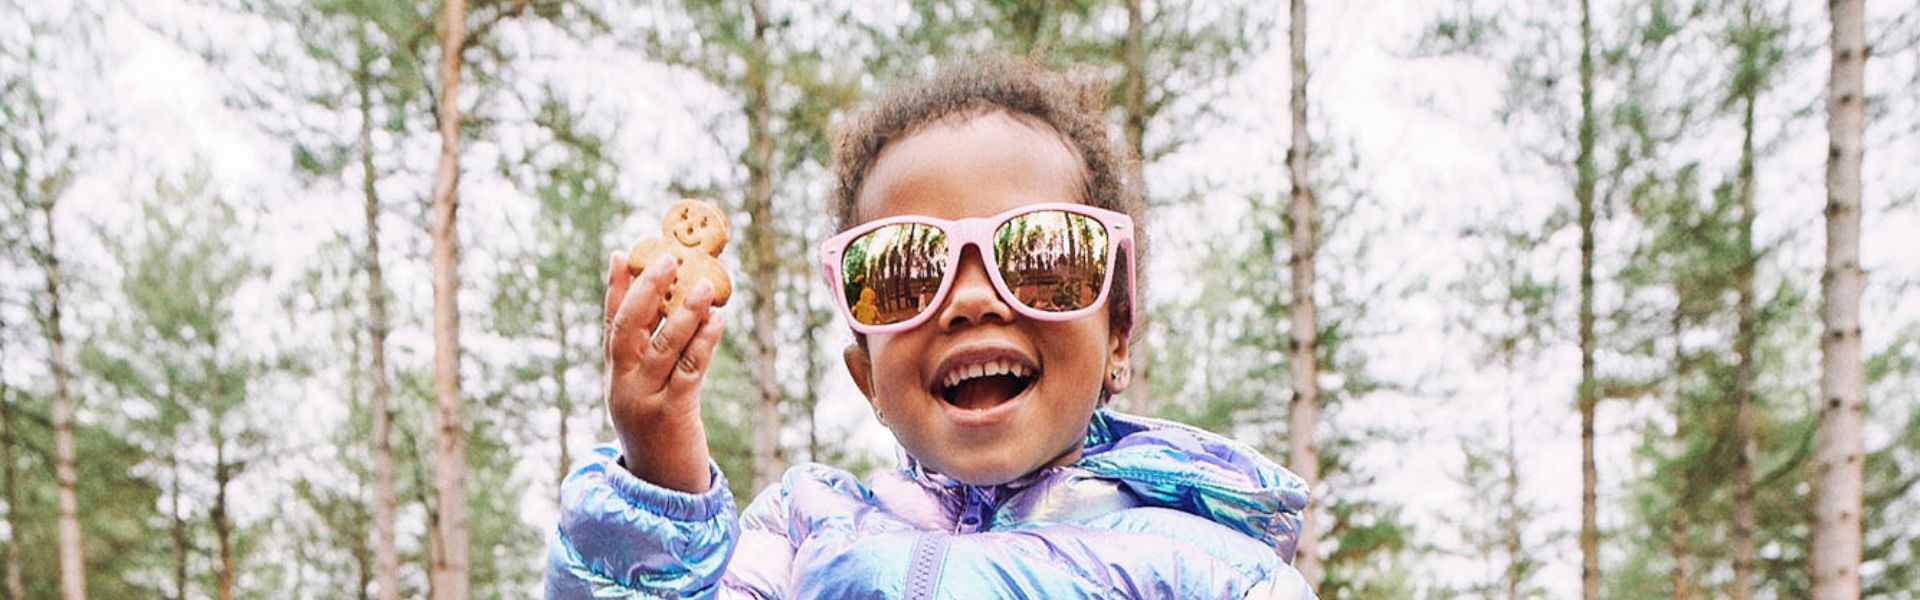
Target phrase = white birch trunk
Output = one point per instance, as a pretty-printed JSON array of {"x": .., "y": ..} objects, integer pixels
[
  {"x": 1838, "y": 447},
  {"x": 1305, "y": 457}
]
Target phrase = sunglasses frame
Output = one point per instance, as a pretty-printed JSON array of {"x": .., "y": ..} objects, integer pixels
[{"x": 978, "y": 232}]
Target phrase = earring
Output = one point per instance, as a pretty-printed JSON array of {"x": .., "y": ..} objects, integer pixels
[{"x": 880, "y": 416}]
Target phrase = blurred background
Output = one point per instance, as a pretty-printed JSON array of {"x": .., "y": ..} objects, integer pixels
[{"x": 217, "y": 285}]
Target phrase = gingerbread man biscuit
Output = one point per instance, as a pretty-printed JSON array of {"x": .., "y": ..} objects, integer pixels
[{"x": 694, "y": 232}]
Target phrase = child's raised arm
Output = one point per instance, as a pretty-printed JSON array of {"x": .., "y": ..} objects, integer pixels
[{"x": 655, "y": 368}]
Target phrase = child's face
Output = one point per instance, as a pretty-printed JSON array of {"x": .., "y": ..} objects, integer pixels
[{"x": 992, "y": 431}]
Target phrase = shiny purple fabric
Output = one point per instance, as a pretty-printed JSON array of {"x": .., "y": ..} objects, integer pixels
[{"x": 1152, "y": 510}]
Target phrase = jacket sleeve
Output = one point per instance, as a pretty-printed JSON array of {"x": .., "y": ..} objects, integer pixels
[
  {"x": 1285, "y": 583},
  {"x": 620, "y": 536}
]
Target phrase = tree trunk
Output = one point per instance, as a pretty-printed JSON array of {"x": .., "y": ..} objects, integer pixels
[
  {"x": 386, "y": 553},
  {"x": 222, "y": 526},
  {"x": 1510, "y": 530},
  {"x": 1838, "y": 446},
  {"x": 765, "y": 276},
  {"x": 564, "y": 402},
  {"x": 363, "y": 574},
  {"x": 1744, "y": 426},
  {"x": 1588, "y": 392},
  {"x": 816, "y": 325},
  {"x": 423, "y": 494},
  {"x": 1682, "y": 484},
  {"x": 1134, "y": 102},
  {"x": 181, "y": 542},
  {"x": 1305, "y": 458},
  {"x": 449, "y": 572},
  {"x": 73, "y": 575}
]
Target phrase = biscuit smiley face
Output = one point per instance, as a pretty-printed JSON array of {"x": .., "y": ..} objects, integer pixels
[
  {"x": 696, "y": 225},
  {"x": 693, "y": 232}
]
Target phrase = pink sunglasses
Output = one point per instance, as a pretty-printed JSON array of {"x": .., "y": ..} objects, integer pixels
[{"x": 1051, "y": 262}]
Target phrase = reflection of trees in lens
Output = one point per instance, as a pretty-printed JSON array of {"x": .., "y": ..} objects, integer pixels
[
  {"x": 1053, "y": 261},
  {"x": 854, "y": 273},
  {"x": 904, "y": 269}
]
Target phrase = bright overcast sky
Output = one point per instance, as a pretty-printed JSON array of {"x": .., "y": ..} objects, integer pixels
[{"x": 1427, "y": 152}]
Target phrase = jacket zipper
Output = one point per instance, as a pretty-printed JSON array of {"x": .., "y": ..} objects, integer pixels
[{"x": 930, "y": 550}]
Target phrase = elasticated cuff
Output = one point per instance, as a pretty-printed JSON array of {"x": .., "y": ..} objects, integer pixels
[{"x": 670, "y": 503}]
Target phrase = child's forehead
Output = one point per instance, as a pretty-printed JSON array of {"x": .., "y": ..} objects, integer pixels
[{"x": 972, "y": 165}]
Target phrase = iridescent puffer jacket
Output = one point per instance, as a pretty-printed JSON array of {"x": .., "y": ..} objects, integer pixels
[{"x": 1153, "y": 509}]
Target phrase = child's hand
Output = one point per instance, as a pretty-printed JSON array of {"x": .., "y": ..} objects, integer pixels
[{"x": 653, "y": 377}]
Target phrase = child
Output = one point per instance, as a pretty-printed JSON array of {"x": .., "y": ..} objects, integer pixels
[{"x": 986, "y": 265}]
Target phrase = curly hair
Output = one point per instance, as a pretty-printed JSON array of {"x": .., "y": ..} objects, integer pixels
[{"x": 1072, "y": 104}]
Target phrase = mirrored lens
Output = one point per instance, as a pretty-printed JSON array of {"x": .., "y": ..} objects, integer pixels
[
  {"x": 1053, "y": 260},
  {"x": 890, "y": 274}
]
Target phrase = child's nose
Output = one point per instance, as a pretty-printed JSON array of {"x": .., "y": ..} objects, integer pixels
[{"x": 972, "y": 300}]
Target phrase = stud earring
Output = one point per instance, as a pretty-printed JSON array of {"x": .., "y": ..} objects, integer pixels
[{"x": 880, "y": 416}]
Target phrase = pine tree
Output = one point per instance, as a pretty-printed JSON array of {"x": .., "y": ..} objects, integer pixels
[
  {"x": 451, "y": 576},
  {"x": 790, "y": 88},
  {"x": 763, "y": 273},
  {"x": 1889, "y": 502},
  {"x": 40, "y": 169},
  {"x": 1231, "y": 349},
  {"x": 1586, "y": 176},
  {"x": 175, "y": 351},
  {"x": 450, "y": 559},
  {"x": 1573, "y": 100},
  {"x": 1756, "y": 43},
  {"x": 1510, "y": 310},
  {"x": 9, "y": 476},
  {"x": 547, "y": 299},
  {"x": 332, "y": 533}
]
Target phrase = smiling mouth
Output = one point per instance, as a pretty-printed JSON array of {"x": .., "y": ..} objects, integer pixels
[{"x": 986, "y": 385}]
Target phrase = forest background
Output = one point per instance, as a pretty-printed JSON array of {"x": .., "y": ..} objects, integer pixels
[{"x": 220, "y": 233}]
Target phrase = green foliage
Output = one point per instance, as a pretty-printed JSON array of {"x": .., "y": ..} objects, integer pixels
[
  {"x": 1509, "y": 309},
  {"x": 1366, "y": 551},
  {"x": 329, "y": 521},
  {"x": 548, "y": 296},
  {"x": 123, "y": 540},
  {"x": 1187, "y": 51},
  {"x": 175, "y": 359},
  {"x": 1681, "y": 280},
  {"x": 1891, "y": 551},
  {"x": 1234, "y": 344},
  {"x": 809, "y": 79},
  {"x": 502, "y": 544}
]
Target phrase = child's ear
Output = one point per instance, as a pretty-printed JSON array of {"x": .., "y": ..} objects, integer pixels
[
  {"x": 1118, "y": 370},
  {"x": 860, "y": 366}
]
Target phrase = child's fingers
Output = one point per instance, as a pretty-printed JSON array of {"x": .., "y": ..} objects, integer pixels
[
  {"x": 666, "y": 345},
  {"x": 639, "y": 314},
  {"x": 618, "y": 279},
  {"x": 693, "y": 362}
]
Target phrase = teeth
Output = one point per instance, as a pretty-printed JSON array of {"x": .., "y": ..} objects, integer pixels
[{"x": 989, "y": 368}]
